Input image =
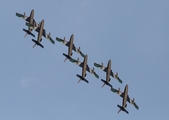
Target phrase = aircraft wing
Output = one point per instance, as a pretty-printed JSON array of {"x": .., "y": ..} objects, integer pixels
[
  {"x": 73, "y": 47},
  {"x": 61, "y": 40},
  {"x": 100, "y": 66},
  {"x": 49, "y": 38},
  {"x": 65, "y": 43},
  {"x": 74, "y": 61},
  {"x": 121, "y": 94},
  {"x": 68, "y": 44},
  {"x": 119, "y": 79},
  {"x": 80, "y": 52},
  {"x": 81, "y": 64},
  {"x": 26, "y": 18},
  {"x": 22, "y": 16},
  {"x": 103, "y": 68},
  {"x": 94, "y": 73},
  {"x": 111, "y": 73}
]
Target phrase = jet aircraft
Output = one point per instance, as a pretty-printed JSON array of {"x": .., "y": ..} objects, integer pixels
[
  {"x": 30, "y": 20},
  {"x": 85, "y": 68},
  {"x": 33, "y": 25},
  {"x": 108, "y": 71},
  {"x": 41, "y": 32},
  {"x": 124, "y": 105},
  {"x": 70, "y": 46},
  {"x": 122, "y": 94}
]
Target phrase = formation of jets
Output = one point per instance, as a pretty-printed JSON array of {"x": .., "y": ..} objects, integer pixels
[
  {"x": 33, "y": 25},
  {"x": 70, "y": 46},
  {"x": 39, "y": 28}
]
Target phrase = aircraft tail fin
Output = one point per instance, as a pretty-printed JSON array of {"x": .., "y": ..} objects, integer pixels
[{"x": 82, "y": 78}]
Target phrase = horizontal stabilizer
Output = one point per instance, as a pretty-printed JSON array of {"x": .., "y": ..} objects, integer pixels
[
  {"x": 103, "y": 81},
  {"x": 123, "y": 109},
  {"x": 37, "y": 43},
  {"x": 28, "y": 32},
  {"x": 107, "y": 83},
  {"x": 82, "y": 78},
  {"x": 67, "y": 56},
  {"x": 119, "y": 106}
]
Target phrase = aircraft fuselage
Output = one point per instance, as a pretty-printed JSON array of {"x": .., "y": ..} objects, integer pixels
[
  {"x": 70, "y": 45},
  {"x": 125, "y": 96},
  {"x": 84, "y": 66},
  {"x": 40, "y": 31},
  {"x": 108, "y": 71},
  {"x": 31, "y": 17},
  {"x": 124, "y": 105}
]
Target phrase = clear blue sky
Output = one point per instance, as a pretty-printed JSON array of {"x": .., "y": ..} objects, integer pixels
[{"x": 35, "y": 83}]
